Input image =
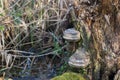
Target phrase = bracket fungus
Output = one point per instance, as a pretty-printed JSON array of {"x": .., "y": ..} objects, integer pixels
[
  {"x": 80, "y": 59},
  {"x": 72, "y": 36}
]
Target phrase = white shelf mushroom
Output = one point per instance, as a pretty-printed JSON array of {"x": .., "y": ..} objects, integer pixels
[
  {"x": 80, "y": 59},
  {"x": 72, "y": 36}
]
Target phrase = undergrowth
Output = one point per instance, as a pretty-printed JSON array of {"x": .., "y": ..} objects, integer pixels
[{"x": 31, "y": 29}]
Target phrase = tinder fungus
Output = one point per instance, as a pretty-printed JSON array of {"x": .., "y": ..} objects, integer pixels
[
  {"x": 80, "y": 59},
  {"x": 71, "y": 36}
]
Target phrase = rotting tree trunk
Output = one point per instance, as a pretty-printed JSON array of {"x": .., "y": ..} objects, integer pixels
[{"x": 105, "y": 40}]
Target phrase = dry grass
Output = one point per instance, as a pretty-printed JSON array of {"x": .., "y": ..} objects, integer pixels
[
  {"x": 33, "y": 28},
  {"x": 30, "y": 29}
]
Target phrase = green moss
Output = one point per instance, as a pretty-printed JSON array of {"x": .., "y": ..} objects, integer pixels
[{"x": 69, "y": 76}]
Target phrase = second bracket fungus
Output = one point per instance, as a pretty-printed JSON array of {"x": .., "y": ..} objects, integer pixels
[{"x": 80, "y": 59}]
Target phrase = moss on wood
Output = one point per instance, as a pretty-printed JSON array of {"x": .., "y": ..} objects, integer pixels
[{"x": 70, "y": 76}]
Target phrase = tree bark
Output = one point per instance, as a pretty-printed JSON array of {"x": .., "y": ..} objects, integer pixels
[
  {"x": 104, "y": 43},
  {"x": 106, "y": 40}
]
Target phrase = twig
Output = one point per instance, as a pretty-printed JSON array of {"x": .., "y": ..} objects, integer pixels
[{"x": 18, "y": 51}]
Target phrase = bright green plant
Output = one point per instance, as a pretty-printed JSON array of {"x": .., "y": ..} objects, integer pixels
[{"x": 63, "y": 68}]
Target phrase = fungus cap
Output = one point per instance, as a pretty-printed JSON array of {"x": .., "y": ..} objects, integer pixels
[
  {"x": 71, "y": 35},
  {"x": 79, "y": 59}
]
